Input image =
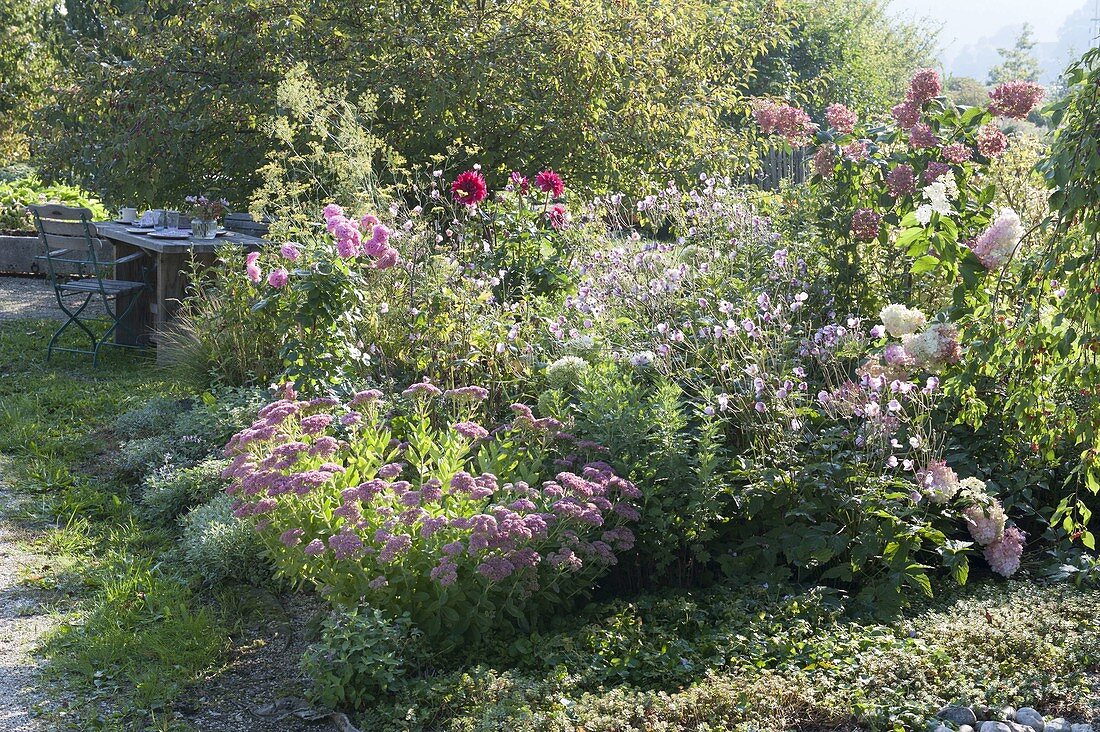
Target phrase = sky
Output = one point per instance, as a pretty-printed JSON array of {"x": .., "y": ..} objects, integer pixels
[{"x": 967, "y": 23}]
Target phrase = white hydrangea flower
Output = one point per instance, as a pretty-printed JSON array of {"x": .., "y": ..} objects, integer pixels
[{"x": 900, "y": 320}]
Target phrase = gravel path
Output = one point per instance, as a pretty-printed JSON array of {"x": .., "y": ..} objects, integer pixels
[
  {"x": 22, "y": 620},
  {"x": 29, "y": 297}
]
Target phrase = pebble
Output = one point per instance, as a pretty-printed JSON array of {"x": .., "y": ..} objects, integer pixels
[
  {"x": 1081, "y": 728},
  {"x": 958, "y": 715},
  {"x": 1059, "y": 724},
  {"x": 1029, "y": 717},
  {"x": 966, "y": 728}
]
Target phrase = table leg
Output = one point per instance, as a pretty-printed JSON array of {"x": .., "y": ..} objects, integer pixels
[{"x": 137, "y": 326}]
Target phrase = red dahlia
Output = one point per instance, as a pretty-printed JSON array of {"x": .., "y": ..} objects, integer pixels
[
  {"x": 550, "y": 182},
  {"x": 469, "y": 188}
]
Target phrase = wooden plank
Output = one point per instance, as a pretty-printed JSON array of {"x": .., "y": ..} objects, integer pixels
[{"x": 139, "y": 323}]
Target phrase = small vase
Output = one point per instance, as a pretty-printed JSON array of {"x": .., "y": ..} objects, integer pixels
[{"x": 204, "y": 229}]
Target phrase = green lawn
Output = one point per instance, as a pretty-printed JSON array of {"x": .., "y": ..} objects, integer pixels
[{"x": 134, "y": 633}]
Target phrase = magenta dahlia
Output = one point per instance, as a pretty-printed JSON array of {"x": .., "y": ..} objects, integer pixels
[
  {"x": 469, "y": 188},
  {"x": 550, "y": 182}
]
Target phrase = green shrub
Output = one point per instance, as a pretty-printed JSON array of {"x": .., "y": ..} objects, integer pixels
[
  {"x": 16, "y": 194},
  {"x": 154, "y": 417},
  {"x": 217, "y": 546},
  {"x": 170, "y": 491},
  {"x": 362, "y": 657}
]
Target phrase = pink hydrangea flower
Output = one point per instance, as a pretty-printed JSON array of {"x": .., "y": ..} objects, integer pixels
[
  {"x": 957, "y": 152},
  {"x": 790, "y": 123},
  {"x": 841, "y": 119},
  {"x": 996, "y": 244},
  {"x": 991, "y": 141},
  {"x": 865, "y": 224},
  {"x": 906, "y": 115},
  {"x": 856, "y": 150},
  {"x": 824, "y": 162},
  {"x": 900, "y": 181},
  {"x": 278, "y": 277},
  {"x": 1004, "y": 554},
  {"x": 922, "y": 137},
  {"x": 1015, "y": 99},
  {"x": 924, "y": 86},
  {"x": 986, "y": 522},
  {"x": 934, "y": 170}
]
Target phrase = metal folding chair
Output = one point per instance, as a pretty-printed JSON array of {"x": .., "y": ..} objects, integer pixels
[{"x": 71, "y": 247}]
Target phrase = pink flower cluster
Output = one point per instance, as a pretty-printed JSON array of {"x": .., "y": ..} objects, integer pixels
[
  {"x": 938, "y": 481},
  {"x": 921, "y": 137},
  {"x": 371, "y": 510},
  {"x": 1015, "y": 99},
  {"x": 900, "y": 181},
  {"x": 841, "y": 119},
  {"x": 906, "y": 115},
  {"x": 824, "y": 162},
  {"x": 957, "y": 152},
  {"x": 995, "y": 245},
  {"x": 991, "y": 141},
  {"x": 790, "y": 123},
  {"x": 350, "y": 240},
  {"x": 924, "y": 86},
  {"x": 865, "y": 224},
  {"x": 1004, "y": 554}
]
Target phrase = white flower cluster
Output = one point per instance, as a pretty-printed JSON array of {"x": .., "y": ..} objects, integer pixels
[
  {"x": 937, "y": 346},
  {"x": 997, "y": 243},
  {"x": 900, "y": 320},
  {"x": 565, "y": 372},
  {"x": 939, "y": 193}
]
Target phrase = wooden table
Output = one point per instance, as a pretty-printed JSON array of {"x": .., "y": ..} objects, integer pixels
[{"x": 171, "y": 258}]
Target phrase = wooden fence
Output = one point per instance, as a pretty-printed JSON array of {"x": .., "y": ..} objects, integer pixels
[{"x": 778, "y": 164}]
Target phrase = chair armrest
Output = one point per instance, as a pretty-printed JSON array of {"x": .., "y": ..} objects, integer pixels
[
  {"x": 52, "y": 254},
  {"x": 53, "y": 257},
  {"x": 123, "y": 260}
]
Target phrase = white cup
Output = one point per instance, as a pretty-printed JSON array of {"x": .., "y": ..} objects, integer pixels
[{"x": 128, "y": 215}]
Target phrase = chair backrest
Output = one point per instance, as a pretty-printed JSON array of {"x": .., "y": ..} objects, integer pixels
[
  {"x": 70, "y": 229},
  {"x": 243, "y": 223}
]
